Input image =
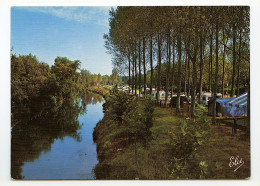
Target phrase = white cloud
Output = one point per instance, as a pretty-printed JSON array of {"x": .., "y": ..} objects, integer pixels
[{"x": 95, "y": 15}]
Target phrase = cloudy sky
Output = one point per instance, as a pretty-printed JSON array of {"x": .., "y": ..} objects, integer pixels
[{"x": 72, "y": 32}]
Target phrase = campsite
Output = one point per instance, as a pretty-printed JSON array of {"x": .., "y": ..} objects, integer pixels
[{"x": 130, "y": 93}]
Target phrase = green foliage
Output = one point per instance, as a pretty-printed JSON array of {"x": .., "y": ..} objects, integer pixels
[
  {"x": 130, "y": 26},
  {"x": 184, "y": 145},
  {"x": 162, "y": 158},
  {"x": 126, "y": 119},
  {"x": 95, "y": 79},
  {"x": 98, "y": 90},
  {"x": 29, "y": 80},
  {"x": 86, "y": 78},
  {"x": 203, "y": 169},
  {"x": 128, "y": 113},
  {"x": 115, "y": 104},
  {"x": 114, "y": 77},
  {"x": 28, "y": 76},
  {"x": 99, "y": 80},
  {"x": 35, "y": 85},
  {"x": 139, "y": 118},
  {"x": 107, "y": 148},
  {"x": 171, "y": 150},
  {"x": 67, "y": 76}
]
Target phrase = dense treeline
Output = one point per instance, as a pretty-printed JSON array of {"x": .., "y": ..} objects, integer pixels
[
  {"x": 36, "y": 87},
  {"x": 182, "y": 49}
]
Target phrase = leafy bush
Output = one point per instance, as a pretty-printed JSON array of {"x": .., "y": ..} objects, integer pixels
[
  {"x": 127, "y": 112},
  {"x": 116, "y": 104},
  {"x": 184, "y": 145},
  {"x": 124, "y": 128}
]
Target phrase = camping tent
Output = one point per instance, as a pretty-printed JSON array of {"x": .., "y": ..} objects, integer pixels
[
  {"x": 237, "y": 106},
  {"x": 231, "y": 106}
]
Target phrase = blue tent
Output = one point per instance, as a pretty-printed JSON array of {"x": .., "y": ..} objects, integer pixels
[{"x": 234, "y": 106}]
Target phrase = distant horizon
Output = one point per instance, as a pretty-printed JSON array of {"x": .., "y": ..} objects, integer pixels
[{"x": 72, "y": 32}]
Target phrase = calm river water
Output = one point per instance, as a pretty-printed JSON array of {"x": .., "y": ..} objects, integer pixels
[{"x": 65, "y": 151}]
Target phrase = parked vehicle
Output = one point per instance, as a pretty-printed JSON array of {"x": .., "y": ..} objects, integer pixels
[{"x": 206, "y": 96}]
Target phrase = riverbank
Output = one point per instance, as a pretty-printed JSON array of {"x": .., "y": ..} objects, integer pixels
[
  {"x": 98, "y": 90},
  {"x": 176, "y": 149}
]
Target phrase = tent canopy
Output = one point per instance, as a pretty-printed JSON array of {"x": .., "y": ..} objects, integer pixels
[
  {"x": 240, "y": 101},
  {"x": 234, "y": 106}
]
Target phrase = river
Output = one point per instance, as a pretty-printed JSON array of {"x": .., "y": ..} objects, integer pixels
[{"x": 59, "y": 145}]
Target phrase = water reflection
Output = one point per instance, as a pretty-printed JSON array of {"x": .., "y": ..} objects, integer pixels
[{"x": 33, "y": 136}]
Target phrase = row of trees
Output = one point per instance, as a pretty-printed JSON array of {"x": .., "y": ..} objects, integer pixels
[
  {"x": 187, "y": 49},
  {"x": 35, "y": 85},
  {"x": 97, "y": 79}
]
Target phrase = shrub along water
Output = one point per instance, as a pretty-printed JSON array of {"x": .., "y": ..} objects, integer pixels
[{"x": 126, "y": 124}]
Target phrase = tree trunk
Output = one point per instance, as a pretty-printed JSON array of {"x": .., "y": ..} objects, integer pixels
[
  {"x": 135, "y": 70},
  {"x": 188, "y": 86},
  {"x": 151, "y": 64},
  {"x": 144, "y": 68},
  {"x": 223, "y": 70},
  {"x": 185, "y": 75},
  {"x": 238, "y": 62},
  {"x": 168, "y": 67},
  {"x": 193, "y": 87},
  {"x": 173, "y": 66},
  {"x": 129, "y": 70},
  {"x": 179, "y": 73},
  {"x": 194, "y": 72},
  {"x": 140, "y": 62},
  {"x": 234, "y": 61},
  {"x": 201, "y": 66},
  {"x": 210, "y": 63},
  {"x": 216, "y": 75},
  {"x": 159, "y": 68}
]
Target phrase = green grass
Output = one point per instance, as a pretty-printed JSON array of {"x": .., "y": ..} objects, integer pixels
[{"x": 121, "y": 158}]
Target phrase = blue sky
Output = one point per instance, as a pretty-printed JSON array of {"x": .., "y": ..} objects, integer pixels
[{"x": 72, "y": 32}]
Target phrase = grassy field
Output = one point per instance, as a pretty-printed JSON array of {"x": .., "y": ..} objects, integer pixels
[{"x": 120, "y": 157}]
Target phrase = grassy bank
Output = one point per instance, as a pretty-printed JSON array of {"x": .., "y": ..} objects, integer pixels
[{"x": 174, "y": 148}]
